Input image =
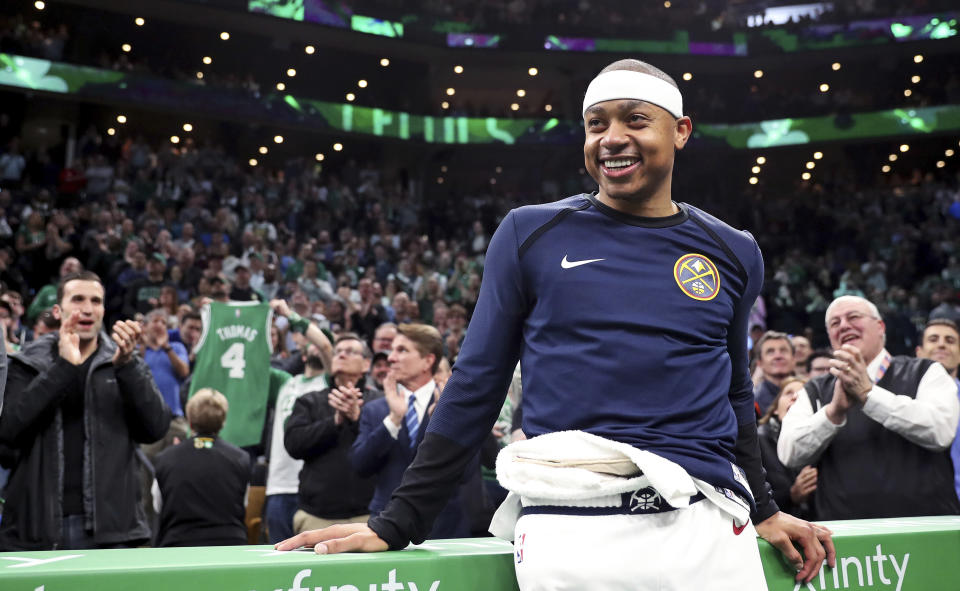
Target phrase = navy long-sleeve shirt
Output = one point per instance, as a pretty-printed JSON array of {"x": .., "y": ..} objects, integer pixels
[{"x": 630, "y": 328}]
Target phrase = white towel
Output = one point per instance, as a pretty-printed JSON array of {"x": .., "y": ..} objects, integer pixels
[{"x": 574, "y": 468}]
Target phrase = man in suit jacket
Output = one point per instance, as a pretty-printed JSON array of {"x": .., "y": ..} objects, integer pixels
[{"x": 392, "y": 427}]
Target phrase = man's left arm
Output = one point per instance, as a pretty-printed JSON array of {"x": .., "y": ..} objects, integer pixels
[
  {"x": 928, "y": 420},
  {"x": 148, "y": 416},
  {"x": 780, "y": 529}
]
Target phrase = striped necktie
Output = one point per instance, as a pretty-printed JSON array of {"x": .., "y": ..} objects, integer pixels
[{"x": 413, "y": 423}]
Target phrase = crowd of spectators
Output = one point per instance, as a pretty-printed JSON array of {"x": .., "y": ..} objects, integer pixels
[{"x": 355, "y": 247}]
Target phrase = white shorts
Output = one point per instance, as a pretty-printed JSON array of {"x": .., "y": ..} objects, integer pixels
[{"x": 696, "y": 548}]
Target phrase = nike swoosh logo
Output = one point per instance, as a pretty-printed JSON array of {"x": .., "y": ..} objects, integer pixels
[
  {"x": 571, "y": 264},
  {"x": 738, "y": 530}
]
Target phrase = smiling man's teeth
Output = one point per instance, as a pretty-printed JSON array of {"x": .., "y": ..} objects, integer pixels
[{"x": 618, "y": 163}]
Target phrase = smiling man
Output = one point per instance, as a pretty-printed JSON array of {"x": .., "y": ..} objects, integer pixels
[
  {"x": 628, "y": 311},
  {"x": 878, "y": 428},
  {"x": 77, "y": 403}
]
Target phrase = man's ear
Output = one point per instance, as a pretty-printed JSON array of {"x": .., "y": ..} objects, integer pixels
[
  {"x": 57, "y": 312},
  {"x": 684, "y": 127}
]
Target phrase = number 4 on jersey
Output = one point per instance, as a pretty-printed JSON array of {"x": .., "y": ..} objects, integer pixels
[{"x": 233, "y": 360}]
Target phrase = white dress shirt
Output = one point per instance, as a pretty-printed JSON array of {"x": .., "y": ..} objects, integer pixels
[
  {"x": 424, "y": 396},
  {"x": 928, "y": 420}
]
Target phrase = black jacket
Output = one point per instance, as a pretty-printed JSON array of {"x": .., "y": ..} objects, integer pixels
[
  {"x": 329, "y": 486},
  {"x": 122, "y": 407},
  {"x": 203, "y": 482}
]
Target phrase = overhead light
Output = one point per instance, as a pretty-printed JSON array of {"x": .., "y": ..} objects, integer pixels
[
  {"x": 337, "y": 147},
  {"x": 824, "y": 87},
  {"x": 761, "y": 160},
  {"x": 835, "y": 66},
  {"x": 139, "y": 21},
  {"x": 811, "y": 164},
  {"x": 384, "y": 62},
  {"x": 805, "y": 176},
  {"x": 547, "y": 108},
  {"x": 319, "y": 157},
  {"x": 351, "y": 96},
  {"x": 886, "y": 168},
  {"x": 121, "y": 118},
  {"x": 904, "y": 147},
  {"x": 458, "y": 69},
  {"x": 514, "y": 107},
  {"x": 941, "y": 163},
  {"x": 278, "y": 139},
  {"x": 915, "y": 79},
  {"x": 451, "y": 91},
  {"x": 263, "y": 150},
  {"x": 252, "y": 162},
  {"x": 521, "y": 93},
  {"x": 188, "y": 127},
  {"x": 758, "y": 73},
  {"x": 493, "y": 181},
  {"x": 666, "y": 3},
  {"x": 499, "y": 169},
  {"x": 754, "y": 180},
  {"x": 687, "y": 76},
  {"x": 439, "y": 180},
  {"x": 892, "y": 157},
  {"x": 174, "y": 139},
  {"x": 948, "y": 152},
  {"x": 39, "y": 5},
  {"x": 224, "y": 36},
  {"x": 755, "y": 170},
  {"x": 199, "y": 75},
  {"x": 445, "y": 105},
  {"x": 533, "y": 71},
  {"x": 443, "y": 168},
  {"x": 362, "y": 83},
  {"x": 917, "y": 58},
  {"x": 817, "y": 155},
  {"x": 907, "y": 92},
  {"x": 126, "y": 47},
  {"x": 291, "y": 72},
  {"x": 111, "y": 131},
  {"x": 309, "y": 49},
  {"x": 281, "y": 86},
  {"x": 207, "y": 60}
]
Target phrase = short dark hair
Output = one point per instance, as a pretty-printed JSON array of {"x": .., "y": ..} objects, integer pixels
[
  {"x": 191, "y": 315},
  {"x": 939, "y": 322},
  {"x": 818, "y": 354},
  {"x": 76, "y": 276},
  {"x": 634, "y": 65},
  {"x": 772, "y": 335}
]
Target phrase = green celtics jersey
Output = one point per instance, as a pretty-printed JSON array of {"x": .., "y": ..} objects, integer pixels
[{"x": 233, "y": 358}]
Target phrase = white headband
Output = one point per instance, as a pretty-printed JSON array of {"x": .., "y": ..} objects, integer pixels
[{"x": 626, "y": 84}]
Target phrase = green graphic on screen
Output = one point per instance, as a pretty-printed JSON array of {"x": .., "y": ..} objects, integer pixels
[{"x": 110, "y": 87}]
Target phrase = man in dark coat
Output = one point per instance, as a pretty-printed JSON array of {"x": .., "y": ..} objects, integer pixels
[{"x": 77, "y": 404}]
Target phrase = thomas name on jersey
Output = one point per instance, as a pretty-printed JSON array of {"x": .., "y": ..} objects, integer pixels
[{"x": 237, "y": 331}]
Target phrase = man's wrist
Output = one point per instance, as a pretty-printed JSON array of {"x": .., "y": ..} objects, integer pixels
[
  {"x": 835, "y": 414},
  {"x": 297, "y": 322},
  {"x": 167, "y": 348}
]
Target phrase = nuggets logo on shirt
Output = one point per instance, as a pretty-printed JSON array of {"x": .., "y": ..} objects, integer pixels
[{"x": 697, "y": 277}]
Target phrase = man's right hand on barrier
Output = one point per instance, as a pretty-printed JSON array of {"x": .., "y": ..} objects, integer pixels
[{"x": 346, "y": 537}]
